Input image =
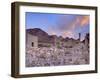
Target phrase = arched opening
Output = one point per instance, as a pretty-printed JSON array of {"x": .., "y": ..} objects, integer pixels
[{"x": 32, "y": 44}]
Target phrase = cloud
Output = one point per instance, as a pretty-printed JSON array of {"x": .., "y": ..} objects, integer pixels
[
  {"x": 67, "y": 34},
  {"x": 66, "y": 26},
  {"x": 74, "y": 23},
  {"x": 80, "y": 21},
  {"x": 71, "y": 23},
  {"x": 53, "y": 33},
  {"x": 84, "y": 21}
]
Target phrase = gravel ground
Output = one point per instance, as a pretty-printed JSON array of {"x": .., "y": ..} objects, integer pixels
[{"x": 77, "y": 55}]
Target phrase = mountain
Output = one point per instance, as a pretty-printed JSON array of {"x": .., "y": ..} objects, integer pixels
[
  {"x": 37, "y": 32},
  {"x": 45, "y": 37},
  {"x": 42, "y": 35}
]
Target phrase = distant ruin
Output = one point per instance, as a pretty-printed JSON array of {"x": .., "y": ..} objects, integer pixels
[{"x": 50, "y": 50}]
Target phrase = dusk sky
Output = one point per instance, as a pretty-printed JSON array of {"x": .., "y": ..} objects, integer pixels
[{"x": 65, "y": 25}]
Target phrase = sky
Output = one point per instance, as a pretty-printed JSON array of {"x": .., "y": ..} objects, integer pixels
[{"x": 65, "y": 25}]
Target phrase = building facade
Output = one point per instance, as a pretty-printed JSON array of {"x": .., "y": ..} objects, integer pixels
[{"x": 31, "y": 41}]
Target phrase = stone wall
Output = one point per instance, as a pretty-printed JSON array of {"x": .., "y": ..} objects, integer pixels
[{"x": 31, "y": 41}]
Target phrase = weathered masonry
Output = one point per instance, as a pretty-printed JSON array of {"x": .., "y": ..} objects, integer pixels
[{"x": 31, "y": 41}]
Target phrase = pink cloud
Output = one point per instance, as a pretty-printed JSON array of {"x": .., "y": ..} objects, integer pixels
[
  {"x": 84, "y": 21},
  {"x": 67, "y": 30},
  {"x": 69, "y": 34},
  {"x": 80, "y": 21}
]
